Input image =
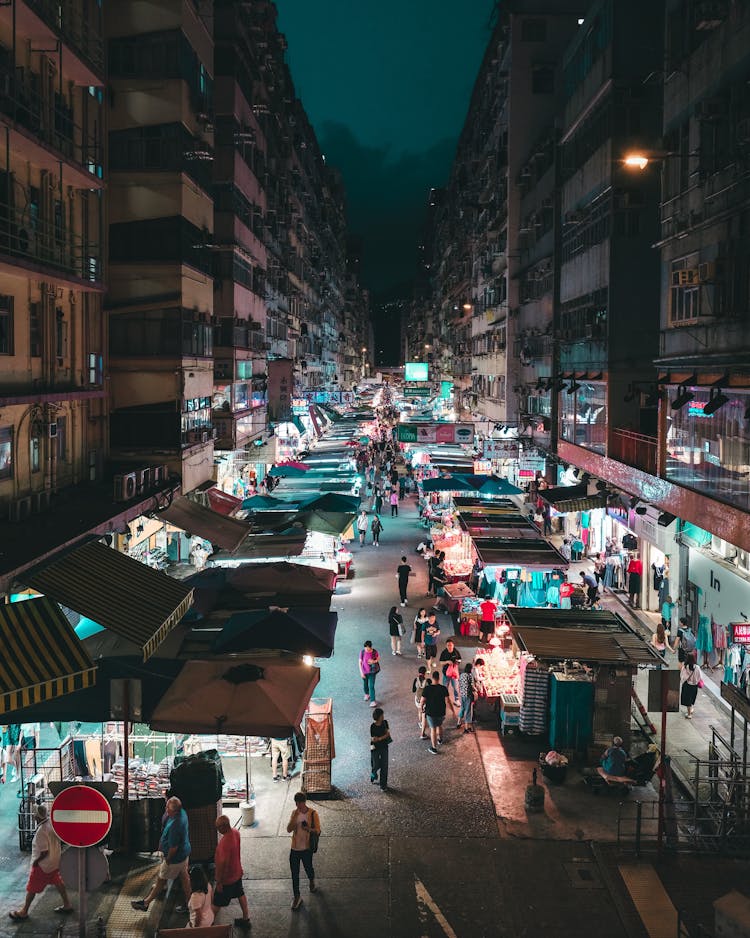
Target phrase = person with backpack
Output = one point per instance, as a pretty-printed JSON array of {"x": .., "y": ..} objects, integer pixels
[
  {"x": 418, "y": 685},
  {"x": 685, "y": 642},
  {"x": 396, "y": 629}
]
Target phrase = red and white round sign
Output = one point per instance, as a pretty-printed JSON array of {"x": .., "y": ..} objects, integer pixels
[{"x": 81, "y": 816}]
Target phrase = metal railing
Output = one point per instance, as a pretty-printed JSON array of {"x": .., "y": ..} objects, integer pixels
[
  {"x": 634, "y": 449},
  {"x": 66, "y": 19}
]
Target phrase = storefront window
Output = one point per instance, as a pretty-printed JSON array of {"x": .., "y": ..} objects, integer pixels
[
  {"x": 6, "y": 453},
  {"x": 583, "y": 416},
  {"x": 241, "y": 397},
  {"x": 711, "y": 452}
]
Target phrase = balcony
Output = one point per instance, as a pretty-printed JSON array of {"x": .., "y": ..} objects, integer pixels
[
  {"x": 243, "y": 335},
  {"x": 634, "y": 449},
  {"x": 47, "y": 244}
]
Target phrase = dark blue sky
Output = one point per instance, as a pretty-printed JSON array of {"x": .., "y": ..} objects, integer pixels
[{"x": 386, "y": 85}]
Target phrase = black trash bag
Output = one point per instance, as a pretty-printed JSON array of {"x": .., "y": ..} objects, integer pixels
[{"x": 197, "y": 780}]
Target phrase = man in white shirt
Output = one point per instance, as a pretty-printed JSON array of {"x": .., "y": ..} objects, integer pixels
[{"x": 45, "y": 866}]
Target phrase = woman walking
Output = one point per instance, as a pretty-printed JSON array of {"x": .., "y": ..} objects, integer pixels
[
  {"x": 303, "y": 822},
  {"x": 418, "y": 685},
  {"x": 467, "y": 693},
  {"x": 369, "y": 666},
  {"x": 396, "y": 629},
  {"x": 692, "y": 678},
  {"x": 393, "y": 499},
  {"x": 376, "y": 526},
  {"x": 660, "y": 639},
  {"x": 417, "y": 635}
]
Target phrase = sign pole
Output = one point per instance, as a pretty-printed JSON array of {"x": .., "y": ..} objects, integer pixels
[
  {"x": 662, "y": 767},
  {"x": 82, "y": 897}
]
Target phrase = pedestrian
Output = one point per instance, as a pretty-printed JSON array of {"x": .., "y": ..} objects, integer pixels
[
  {"x": 377, "y": 502},
  {"x": 403, "y": 572},
  {"x": 660, "y": 639},
  {"x": 547, "y": 520},
  {"x": 666, "y": 612},
  {"x": 431, "y": 635},
  {"x": 369, "y": 666},
  {"x": 280, "y": 749},
  {"x": 393, "y": 498},
  {"x": 450, "y": 658},
  {"x": 46, "y": 851},
  {"x": 376, "y": 526},
  {"x": 434, "y": 698},
  {"x": 362, "y": 526},
  {"x": 417, "y": 635},
  {"x": 691, "y": 677},
  {"x": 418, "y": 685},
  {"x": 303, "y": 822},
  {"x": 467, "y": 692},
  {"x": 200, "y": 903},
  {"x": 11, "y": 751},
  {"x": 396, "y": 629},
  {"x": 565, "y": 548},
  {"x": 174, "y": 846},
  {"x": 599, "y": 564},
  {"x": 487, "y": 609},
  {"x": 380, "y": 740},
  {"x": 684, "y": 643},
  {"x": 402, "y": 487},
  {"x": 592, "y": 587},
  {"x": 229, "y": 872}
]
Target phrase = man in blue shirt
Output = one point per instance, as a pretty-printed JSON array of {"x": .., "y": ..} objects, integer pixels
[
  {"x": 174, "y": 846},
  {"x": 615, "y": 758}
]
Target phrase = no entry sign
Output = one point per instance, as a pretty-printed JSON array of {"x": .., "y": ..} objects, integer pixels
[{"x": 81, "y": 816}]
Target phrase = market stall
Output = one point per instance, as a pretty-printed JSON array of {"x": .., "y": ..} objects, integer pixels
[{"x": 520, "y": 571}]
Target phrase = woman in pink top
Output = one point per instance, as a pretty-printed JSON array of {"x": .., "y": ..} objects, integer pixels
[
  {"x": 393, "y": 499},
  {"x": 201, "y": 895},
  {"x": 369, "y": 665}
]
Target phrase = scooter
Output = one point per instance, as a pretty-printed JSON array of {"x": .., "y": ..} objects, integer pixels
[{"x": 639, "y": 772}]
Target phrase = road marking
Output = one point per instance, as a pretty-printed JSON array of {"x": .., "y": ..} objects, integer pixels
[
  {"x": 62, "y": 816},
  {"x": 426, "y": 903}
]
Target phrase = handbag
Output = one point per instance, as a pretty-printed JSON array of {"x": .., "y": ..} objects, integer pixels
[
  {"x": 700, "y": 683},
  {"x": 375, "y": 667},
  {"x": 314, "y": 841}
]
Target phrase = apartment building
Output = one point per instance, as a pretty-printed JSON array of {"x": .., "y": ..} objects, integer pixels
[
  {"x": 53, "y": 431},
  {"x": 160, "y": 293}
]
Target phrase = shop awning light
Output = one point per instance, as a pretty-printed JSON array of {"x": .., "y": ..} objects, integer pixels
[
  {"x": 684, "y": 396},
  {"x": 715, "y": 401}
]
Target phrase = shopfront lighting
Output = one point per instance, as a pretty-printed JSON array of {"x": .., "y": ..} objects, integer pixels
[
  {"x": 468, "y": 307},
  {"x": 684, "y": 396},
  {"x": 637, "y": 161},
  {"x": 308, "y": 659},
  {"x": 715, "y": 401}
]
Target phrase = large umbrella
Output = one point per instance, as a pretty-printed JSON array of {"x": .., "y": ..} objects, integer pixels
[
  {"x": 290, "y": 472},
  {"x": 253, "y": 697},
  {"x": 495, "y": 486},
  {"x": 304, "y": 631},
  {"x": 447, "y": 484},
  {"x": 332, "y": 501},
  {"x": 326, "y": 522}
]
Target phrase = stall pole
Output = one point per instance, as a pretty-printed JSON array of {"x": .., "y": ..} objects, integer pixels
[
  {"x": 247, "y": 773},
  {"x": 662, "y": 766},
  {"x": 126, "y": 766},
  {"x": 82, "y": 897}
]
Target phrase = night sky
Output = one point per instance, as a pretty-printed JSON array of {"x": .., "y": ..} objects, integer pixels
[{"x": 386, "y": 85}]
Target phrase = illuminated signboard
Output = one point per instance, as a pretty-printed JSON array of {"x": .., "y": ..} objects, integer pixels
[
  {"x": 416, "y": 371},
  {"x": 741, "y": 633}
]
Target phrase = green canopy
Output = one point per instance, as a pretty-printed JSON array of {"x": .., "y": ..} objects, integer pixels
[{"x": 326, "y": 522}]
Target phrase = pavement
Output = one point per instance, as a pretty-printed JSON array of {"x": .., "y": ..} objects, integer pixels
[{"x": 448, "y": 851}]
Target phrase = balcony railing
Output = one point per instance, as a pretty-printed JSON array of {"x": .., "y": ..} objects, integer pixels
[
  {"x": 66, "y": 20},
  {"x": 634, "y": 449}
]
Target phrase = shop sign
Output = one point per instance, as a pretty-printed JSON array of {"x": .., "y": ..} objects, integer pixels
[
  {"x": 427, "y": 433},
  {"x": 500, "y": 449},
  {"x": 528, "y": 466},
  {"x": 444, "y": 433},
  {"x": 464, "y": 433},
  {"x": 418, "y": 392},
  {"x": 407, "y": 433},
  {"x": 741, "y": 633}
]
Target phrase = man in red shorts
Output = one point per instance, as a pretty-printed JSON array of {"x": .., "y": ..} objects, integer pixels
[{"x": 45, "y": 866}]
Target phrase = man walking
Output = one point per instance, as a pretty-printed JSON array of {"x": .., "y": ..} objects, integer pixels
[
  {"x": 45, "y": 866},
  {"x": 403, "y": 572},
  {"x": 380, "y": 739},
  {"x": 450, "y": 658},
  {"x": 174, "y": 846},
  {"x": 280, "y": 749},
  {"x": 434, "y": 698},
  {"x": 229, "y": 871}
]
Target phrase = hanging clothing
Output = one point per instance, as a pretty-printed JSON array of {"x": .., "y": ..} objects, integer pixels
[
  {"x": 719, "y": 634},
  {"x": 704, "y": 640}
]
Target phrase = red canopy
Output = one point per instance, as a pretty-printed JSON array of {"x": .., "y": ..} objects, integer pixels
[{"x": 222, "y": 502}]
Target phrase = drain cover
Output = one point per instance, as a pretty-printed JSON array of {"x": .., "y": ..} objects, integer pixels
[{"x": 583, "y": 875}]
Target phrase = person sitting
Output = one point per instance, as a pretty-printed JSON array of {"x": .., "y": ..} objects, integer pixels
[{"x": 615, "y": 759}]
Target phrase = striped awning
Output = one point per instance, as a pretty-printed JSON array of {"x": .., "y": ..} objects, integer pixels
[
  {"x": 42, "y": 656},
  {"x": 127, "y": 597}
]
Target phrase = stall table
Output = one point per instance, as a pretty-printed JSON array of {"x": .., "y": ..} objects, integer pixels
[{"x": 454, "y": 593}]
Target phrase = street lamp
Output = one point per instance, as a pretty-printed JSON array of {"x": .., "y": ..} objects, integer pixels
[{"x": 636, "y": 161}]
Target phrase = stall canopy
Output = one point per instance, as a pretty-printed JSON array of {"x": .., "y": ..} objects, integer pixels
[
  {"x": 258, "y": 697},
  {"x": 293, "y": 464},
  {"x": 304, "y": 631},
  {"x": 447, "y": 484},
  {"x": 268, "y": 503},
  {"x": 568, "y": 498},
  {"x": 42, "y": 657},
  {"x": 289, "y": 543},
  {"x": 222, "y": 502},
  {"x": 326, "y": 522},
  {"x": 261, "y": 585},
  {"x": 289, "y": 472},
  {"x": 491, "y": 486},
  {"x": 121, "y": 594},
  {"x": 194, "y": 518},
  {"x": 332, "y": 501},
  {"x": 534, "y": 553}
]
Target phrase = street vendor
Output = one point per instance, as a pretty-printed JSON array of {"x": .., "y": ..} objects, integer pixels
[{"x": 487, "y": 621}]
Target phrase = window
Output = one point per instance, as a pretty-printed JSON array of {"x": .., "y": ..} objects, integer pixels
[
  {"x": 34, "y": 453},
  {"x": 6, "y": 452},
  {"x": 533, "y": 31},
  {"x": 62, "y": 439},
  {"x": 61, "y": 337},
  {"x": 6, "y": 325},
  {"x": 542, "y": 79},
  {"x": 35, "y": 331},
  {"x": 684, "y": 299},
  {"x": 583, "y": 416},
  {"x": 95, "y": 369}
]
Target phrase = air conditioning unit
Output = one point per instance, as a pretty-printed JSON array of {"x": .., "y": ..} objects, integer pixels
[
  {"x": 19, "y": 509},
  {"x": 685, "y": 278},
  {"x": 142, "y": 480},
  {"x": 53, "y": 429},
  {"x": 40, "y": 501},
  {"x": 125, "y": 487},
  {"x": 707, "y": 272}
]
